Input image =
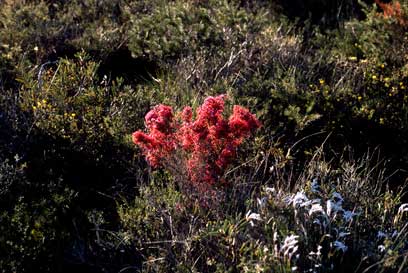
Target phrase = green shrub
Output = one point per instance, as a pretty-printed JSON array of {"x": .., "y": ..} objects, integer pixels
[
  {"x": 32, "y": 231},
  {"x": 67, "y": 127},
  {"x": 349, "y": 82},
  {"x": 183, "y": 28},
  {"x": 36, "y": 32},
  {"x": 71, "y": 102}
]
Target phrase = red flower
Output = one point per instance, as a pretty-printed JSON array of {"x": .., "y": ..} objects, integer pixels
[
  {"x": 143, "y": 140},
  {"x": 208, "y": 144},
  {"x": 159, "y": 118},
  {"x": 211, "y": 110},
  {"x": 227, "y": 154},
  {"x": 239, "y": 127},
  {"x": 187, "y": 114},
  {"x": 242, "y": 113}
]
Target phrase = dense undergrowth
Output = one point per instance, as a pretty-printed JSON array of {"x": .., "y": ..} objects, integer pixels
[{"x": 319, "y": 187}]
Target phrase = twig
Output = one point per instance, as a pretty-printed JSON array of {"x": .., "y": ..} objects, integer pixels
[
  {"x": 40, "y": 72},
  {"x": 165, "y": 242}
]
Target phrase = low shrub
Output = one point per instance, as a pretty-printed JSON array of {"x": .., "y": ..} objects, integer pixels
[
  {"x": 327, "y": 223},
  {"x": 32, "y": 224},
  {"x": 182, "y": 28},
  {"x": 197, "y": 152}
]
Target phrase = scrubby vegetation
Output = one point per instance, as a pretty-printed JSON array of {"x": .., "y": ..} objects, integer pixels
[{"x": 277, "y": 136}]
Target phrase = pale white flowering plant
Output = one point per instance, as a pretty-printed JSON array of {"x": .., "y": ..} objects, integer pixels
[{"x": 333, "y": 221}]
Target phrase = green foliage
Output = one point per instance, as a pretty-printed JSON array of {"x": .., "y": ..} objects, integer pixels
[
  {"x": 23, "y": 28},
  {"x": 29, "y": 233},
  {"x": 183, "y": 28},
  {"x": 348, "y": 81},
  {"x": 31, "y": 220},
  {"x": 71, "y": 102}
]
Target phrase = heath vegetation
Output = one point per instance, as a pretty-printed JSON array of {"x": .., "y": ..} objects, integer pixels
[{"x": 203, "y": 136}]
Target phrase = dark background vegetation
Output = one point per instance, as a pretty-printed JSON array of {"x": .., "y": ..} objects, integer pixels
[{"x": 77, "y": 78}]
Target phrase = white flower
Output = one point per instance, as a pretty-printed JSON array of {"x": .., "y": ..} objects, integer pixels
[
  {"x": 343, "y": 234},
  {"x": 290, "y": 240},
  {"x": 317, "y": 222},
  {"x": 290, "y": 245},
  {"x": 299, "y": 199},
  {"x": 340, "y": 246},
  {"x": 319, "y": 247},
  {"x": 315, "y": 186},
  {"x": 271, "y": 190},
  {"x": 403, "y": 208},
  {"x": 381, "y": 234},
  {"x": 262, "y": 202},
  {"x": 275, "y": 236},
  {"x": 337, "y": 196},
  {"x": 265, "y": 249},
  {"x": 317, "y": 253},
  {"x": 310, "y": 202},
  {"x": 381, "y": 248},
  {"x": 252, "y": 216},
  {"x": 275, "y": 242},
  {"x": 332, "y": 207},
  {"x": 348, "y": 215},
  {"x": 316, "y": 208}
]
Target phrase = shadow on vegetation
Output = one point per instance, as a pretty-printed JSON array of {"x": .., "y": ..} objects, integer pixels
[{"x": 121, "y": 64}]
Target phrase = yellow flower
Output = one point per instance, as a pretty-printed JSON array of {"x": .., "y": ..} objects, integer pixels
[
  {"x": 353, "y": 58},
  {"x": 359, "y": 97},
  {"x": 34, "y": 108},
  {"x": 382, "y": 65},
  {"x": 374, "y": 77},
  {"x": 73, "y": 115},
  {"x": 44, "y": 101},
  {"x": 381, "y": 121},
  {"x": 321, "y": 81}
]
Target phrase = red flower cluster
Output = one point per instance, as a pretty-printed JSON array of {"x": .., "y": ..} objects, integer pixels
[
  {"x": 205, "y": 146},
  {"x": 393, "y": 10}
]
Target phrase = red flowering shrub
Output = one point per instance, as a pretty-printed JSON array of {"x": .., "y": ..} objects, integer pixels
[
  {"x": 201, "y": 148},
  {"x": 393, "y": 10}
]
